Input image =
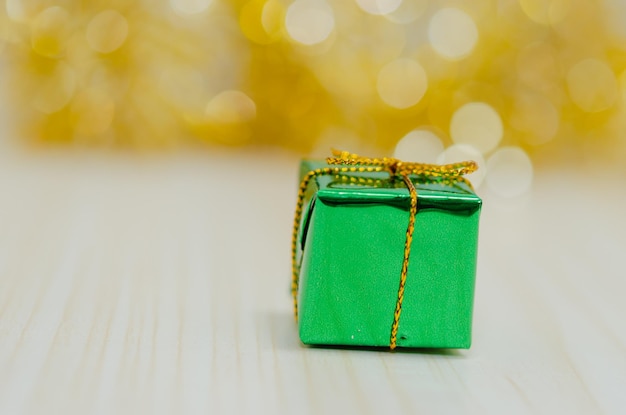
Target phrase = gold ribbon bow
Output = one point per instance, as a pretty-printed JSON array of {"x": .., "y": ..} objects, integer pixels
[{"x": 344, "y": 162}]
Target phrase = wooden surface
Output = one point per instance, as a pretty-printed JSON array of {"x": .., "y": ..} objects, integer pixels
[{"x": 160, "y": 285}]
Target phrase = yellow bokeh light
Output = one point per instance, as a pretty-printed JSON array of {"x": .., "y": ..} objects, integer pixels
[
  {"x": 356, "y": 86},
  {"x": 231, "y": 107},
  {"x": 50, "y": 32},
  {"x": 510, "y": 172},
  {"x": 419, "y": 145},
  {"x": 272, "y": 17},
  {"x": 592, "y": 85},
  {"x": 92, "y": 111},
  {"x": 309, "y": 21},
  {"x": 56, "y": 89},
  {"x": 408, "y": 11},
  {"x": 477, "y": 124},
  {"x": 379, "y": 7},
  {"x": 186, "y": 7},
  {"x": 452, "y": 33},
  {"x": 107, "y": 31},
  {"x": 385, "y": 42},
  {"x": 184, "y": 87},
  {"x": 23, "y": 10},
  {"x": 402, "y": 83},
  {"x": 546, "y": 12},
  {"x": 261, "y": 21},
  {"x": 535, "y": 117},
  {"x": 537, "y": 66}
]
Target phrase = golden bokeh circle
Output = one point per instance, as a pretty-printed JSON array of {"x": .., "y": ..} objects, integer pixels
[
  {"x": 309, "y": 22},
  {"x": 452, "y": 33},
  {"x": 50, "y": 31},
  {"x": 402, "y": 83},
  {"x": 477, "y": 124},
  {"x": 510, "y": 172},
  {"x": 107, "y": 31},
  {"x": 592, "y": 85}
]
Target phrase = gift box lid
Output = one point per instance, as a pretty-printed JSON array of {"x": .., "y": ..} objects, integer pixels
[{"x": 454, "y": 195}]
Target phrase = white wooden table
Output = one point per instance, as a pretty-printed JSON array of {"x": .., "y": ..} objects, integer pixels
[{"x": 159, "y": 284}]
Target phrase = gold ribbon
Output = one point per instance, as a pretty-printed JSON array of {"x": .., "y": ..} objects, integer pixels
[{"x": 344, "y": 162}]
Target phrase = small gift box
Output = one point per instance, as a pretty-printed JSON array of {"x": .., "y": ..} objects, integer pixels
[{"x": 384, "y": 253}]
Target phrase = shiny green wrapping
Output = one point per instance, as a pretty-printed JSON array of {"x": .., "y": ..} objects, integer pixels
[{"x": 352, "y": 239}]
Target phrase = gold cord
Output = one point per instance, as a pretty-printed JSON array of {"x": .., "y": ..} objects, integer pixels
[
  {"x": 352, "y": 163},
  {"x": 405, "y": 261}
]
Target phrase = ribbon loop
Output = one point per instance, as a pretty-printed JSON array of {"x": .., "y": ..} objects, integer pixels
[
  {"x": 401, "y": 168},
  {"x": 346, "y": 162}
]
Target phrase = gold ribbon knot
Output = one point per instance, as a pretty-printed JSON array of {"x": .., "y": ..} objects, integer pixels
[{"x": 346, "y": 162}]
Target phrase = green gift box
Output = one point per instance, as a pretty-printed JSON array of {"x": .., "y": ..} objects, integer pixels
[{"x": 353, "y": 285}]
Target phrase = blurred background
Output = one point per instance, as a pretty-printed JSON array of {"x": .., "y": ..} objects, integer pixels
[{"x": 517, "y": 85}]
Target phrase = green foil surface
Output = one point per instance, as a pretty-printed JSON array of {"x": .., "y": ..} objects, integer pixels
[{"x": 352, "y": 239}]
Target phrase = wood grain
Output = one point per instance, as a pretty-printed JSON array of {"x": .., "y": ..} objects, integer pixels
[{"x": 160, "y": 285}]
